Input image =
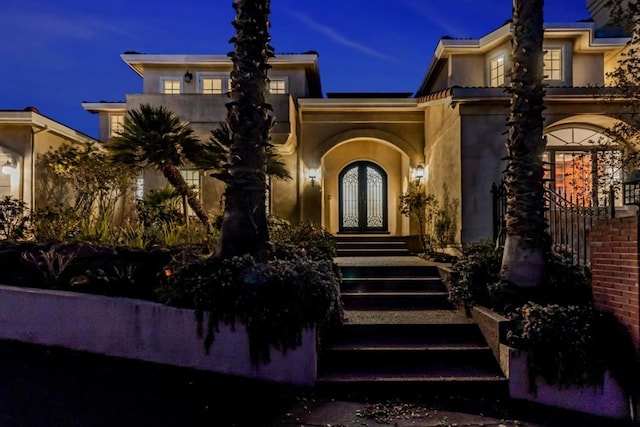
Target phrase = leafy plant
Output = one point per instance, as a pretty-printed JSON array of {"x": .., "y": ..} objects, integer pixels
[
  {"x": 82, "y": 179},
  {"x": 305, "y": 239},
  {"x": 276, "y": 299},
  {"x": 560, "y": 344},
  {"x": 415, "y": 203},
  {"x": 444, "y": 219},
  {"x": 475, "y": 270},
  {"x": 56, "y": 222},
  {"x": 159, "y": 206},
  {"x": 15, "y": 222}
]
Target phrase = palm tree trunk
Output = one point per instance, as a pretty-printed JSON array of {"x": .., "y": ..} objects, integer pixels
[
  {"x": 526, "y": 240},
  {"x": 172, "y": 174},
  {"x": 244, "y": 224}
]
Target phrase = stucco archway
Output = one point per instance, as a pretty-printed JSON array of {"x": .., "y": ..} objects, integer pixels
[{"x": 393, "y": 161}]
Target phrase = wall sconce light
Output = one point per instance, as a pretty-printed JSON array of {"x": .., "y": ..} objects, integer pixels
[
  {"x": 419, "y": 173},
  {"x": 9, "y": 167},
  {"x": 631, "y": 189},
  {"x": 313, "y": 174},
  {"x": 188, "y": 77}
]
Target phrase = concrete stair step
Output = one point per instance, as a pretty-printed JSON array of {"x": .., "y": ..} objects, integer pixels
[
  {"x": 395, "y": 300},
  {"x": 407, "y": 359},
  {"x": 392, "y": 284},
  {"x": 407, "y": 327},
  {"x": 377, "y": 252},
  {"x": 393, "y": 385},
  {"x": 380, "y": 271}
]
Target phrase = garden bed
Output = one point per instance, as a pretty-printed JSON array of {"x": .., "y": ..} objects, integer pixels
[{"x": 608, "y": 400}]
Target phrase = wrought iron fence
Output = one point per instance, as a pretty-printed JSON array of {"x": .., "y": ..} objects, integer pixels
[{"x": 568, "y": 220}]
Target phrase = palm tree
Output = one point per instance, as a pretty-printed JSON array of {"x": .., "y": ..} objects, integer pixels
[
  {"x": 244, "y": 224},
  {"x": 526, "y": 240},
  {"x": 215, "y": 157},
  {"x": 155, "y": 137}
]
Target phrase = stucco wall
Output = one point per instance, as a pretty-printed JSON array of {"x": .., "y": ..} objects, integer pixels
[
  {"x": 141, "y": 330},
  {"x": 467, "y": 71},
  {"x": 442, "y": 154},
  {"x": 588, "y": 69},
  {"x": 483, "y": 147}
]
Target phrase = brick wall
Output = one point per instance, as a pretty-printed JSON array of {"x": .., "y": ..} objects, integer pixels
[{"x": 615, "y": 268}]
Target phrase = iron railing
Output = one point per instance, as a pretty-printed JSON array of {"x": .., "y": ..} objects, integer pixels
[{"x": 568, "y": 220}]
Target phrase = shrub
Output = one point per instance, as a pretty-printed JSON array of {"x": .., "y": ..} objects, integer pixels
[
  {"x": 276, "y": 299},
  {"x": 473, "y": 273},
  {"x": 55, "y": 222},
  {"x": 476, "y": 280},
  {"x": 305, "y": 239},
  {"x": 15, "y": 223},
  {"x": 572, "y": 345}
]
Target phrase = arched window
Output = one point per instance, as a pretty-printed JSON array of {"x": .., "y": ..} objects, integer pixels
[{"x": 583, "y": 165}]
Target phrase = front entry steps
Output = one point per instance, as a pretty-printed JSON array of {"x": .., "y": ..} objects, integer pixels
[
  {"x": 402, "y": 335},
  {"x": 350, "y": 246}
]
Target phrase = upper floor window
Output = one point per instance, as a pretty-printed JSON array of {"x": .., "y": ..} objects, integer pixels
[
  {"x": 496, "y": 71},
  {"x": 277, "y": 86},
  {"x": 211, "y": 85},
  {"x": 171, "y": 86},
  {"x": 553, "y": 64},
  {"x": 116, "y": 124}
]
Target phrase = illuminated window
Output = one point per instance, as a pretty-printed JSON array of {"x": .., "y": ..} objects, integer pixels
[
  {"x": 581, "y": 167},
  {"x": 277, "y": 86},
  {"x": 553, "y": 64},
  {"x": 192, "y": 178},
  {"x": 171, "y": 86},
  {"x": 496, "y": 71},
  {"x": 116, "y": 124},
  {"x": 211, "y": 85},
  {"x": 10, "y": 174}
]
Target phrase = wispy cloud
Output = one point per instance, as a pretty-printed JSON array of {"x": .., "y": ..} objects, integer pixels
[
  {"x": 54, "y": 26},
  {"x": 339, "y": 38},
  {"x": 426, "y": 10}
]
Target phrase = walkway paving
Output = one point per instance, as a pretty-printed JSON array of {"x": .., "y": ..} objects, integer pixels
[{"x": 42, "y": 387}]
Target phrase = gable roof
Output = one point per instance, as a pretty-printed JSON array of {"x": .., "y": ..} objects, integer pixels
[
  {"x": 32, "y": 117},
  {"x": 583, "y": 34}
]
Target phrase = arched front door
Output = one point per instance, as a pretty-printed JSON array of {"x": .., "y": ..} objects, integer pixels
[{"x": 363, "y": 198}]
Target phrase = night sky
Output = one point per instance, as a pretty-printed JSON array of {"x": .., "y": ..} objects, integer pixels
[{"x": 58, "y": 53}]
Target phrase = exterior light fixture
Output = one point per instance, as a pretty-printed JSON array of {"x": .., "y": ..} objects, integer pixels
[
  {"x": 188, "y": 77},
  {"x": 313, "y": 174},
  {"x": 631, "y": 189},
  {"x": 9, "y": 168},
  {"x": 418, "y": 173}
]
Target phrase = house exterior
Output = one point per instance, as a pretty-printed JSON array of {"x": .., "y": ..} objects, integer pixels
[
  {"x": 25, "y": 134},
  {"x": 353, "y": 154}
]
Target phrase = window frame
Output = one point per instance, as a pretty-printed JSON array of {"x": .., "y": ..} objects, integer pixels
[
  {"x": 562, "y": 62},
  {"x": 224, "y": 78},
  {"x": 111, "y": 123},
  {"x": 173, "y": 79},
  {"x": 490, "y": 69},
  {"x": 283, "y": 79}
]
